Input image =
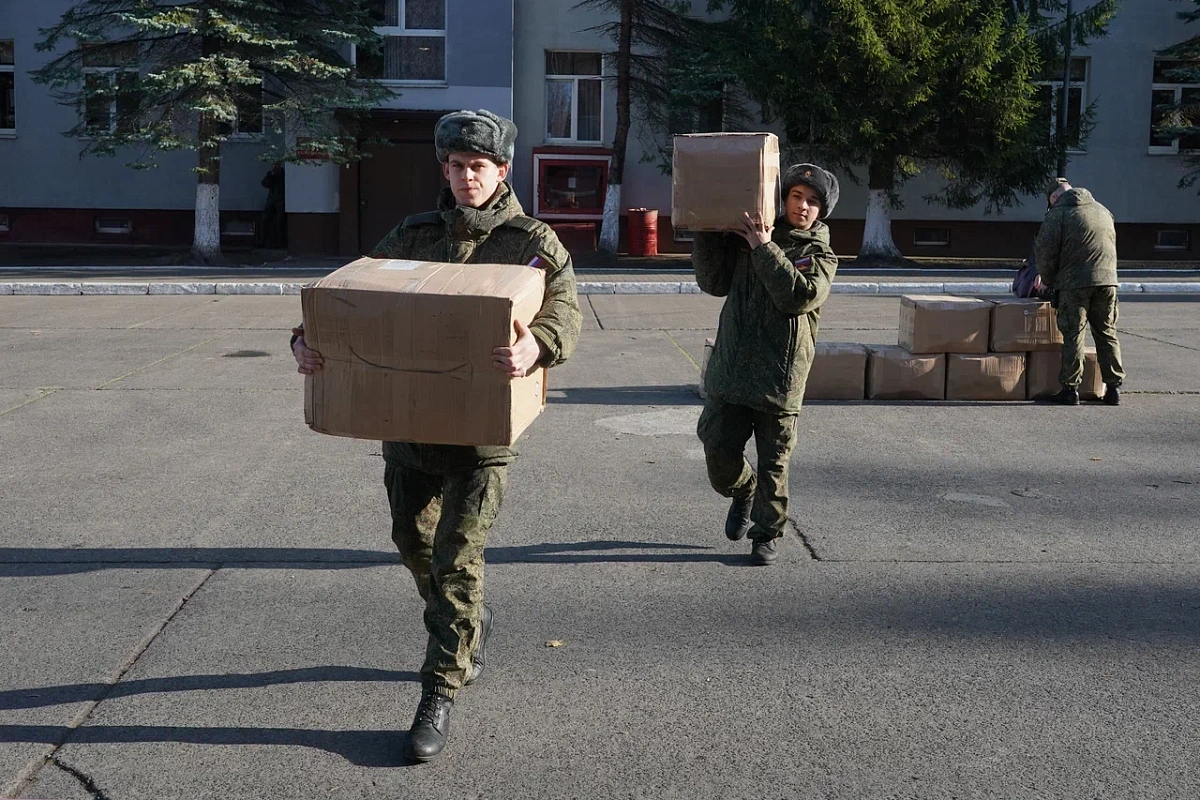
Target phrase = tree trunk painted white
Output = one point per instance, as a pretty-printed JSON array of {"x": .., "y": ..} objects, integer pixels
[
  {"x": 207, "y": 240},
  {"x": 610, "y": 227},
  {"x": 877, "y": 232}
]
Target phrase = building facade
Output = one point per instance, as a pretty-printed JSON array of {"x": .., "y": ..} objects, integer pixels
[{"x": 539, "y": 61}]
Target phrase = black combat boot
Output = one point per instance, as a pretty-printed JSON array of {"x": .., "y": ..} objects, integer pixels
[
  {"x": 764, "y": 552},
  {"x": 431, "y": 726},
  {"x": 1112, "y": 396},
  {"x": 478, "y": 660},
  {"x": 1067, "y": 397},
  {"x": 737, "y": 521}
]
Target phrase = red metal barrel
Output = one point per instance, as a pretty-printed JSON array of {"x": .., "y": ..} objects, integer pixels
[{"x": 643, "y": 231}]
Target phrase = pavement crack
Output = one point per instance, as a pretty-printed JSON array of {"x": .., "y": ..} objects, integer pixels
[
  {"x": 29, "y": 774},
  {"x": 1157, "y": 340},
  {"x": 595, "y": 313},
  {"x": 812, "y": 553},
  {"x": 686, "y": 354},
  {"x": 86, "y": 781},
  {"x": 42, "y": 396}
]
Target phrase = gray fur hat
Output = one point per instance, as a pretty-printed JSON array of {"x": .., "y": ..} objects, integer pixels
[
  {"x": 475, "y": 132},
  {"x": 821, "y": 181}
]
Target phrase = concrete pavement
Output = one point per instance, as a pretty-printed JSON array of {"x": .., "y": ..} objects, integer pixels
[{"x": 976, "y": 600}]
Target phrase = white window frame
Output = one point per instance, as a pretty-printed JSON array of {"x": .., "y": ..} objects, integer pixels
[
  {"x": 111, "y": 75},
  {"x": 919, "y": 242},
  {"x": 11, "y": 69},
  {"x": 1056, "y": 98},
  {"x": 239, "y": 135},
  {"x": 575, "y": 79},
  {"x": 401, "y": 32},
  {"x": 1173, "y": 148},
  {"x": 1158, "y": 240}
]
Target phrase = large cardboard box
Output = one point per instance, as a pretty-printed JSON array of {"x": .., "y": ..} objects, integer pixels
[
  {"x": 839, "y": 372},
  {"x": 991, "y": 376},
  {"x": 408, "y": 351},
  {"x": 894, "y": 373},
  {"x": 704, "y": 357},
  {"x": 940, "y": 324},
  {"x": 1022, "y": 325},
  {"x": 1041, "y": 374},
  {"x": 716, "y": 177}
]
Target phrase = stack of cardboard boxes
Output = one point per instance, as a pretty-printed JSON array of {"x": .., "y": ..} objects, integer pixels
[{"x": 952, "y": 348}]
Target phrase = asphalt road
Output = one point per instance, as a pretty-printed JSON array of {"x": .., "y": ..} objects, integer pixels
[{"x": 976, "y": 600}]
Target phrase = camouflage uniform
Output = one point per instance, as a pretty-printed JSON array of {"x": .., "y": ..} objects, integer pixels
[
  {"x": 1076, "y": 252},
  {"x": 760, "y": 361},
  {"x": 444, "y": 498}
]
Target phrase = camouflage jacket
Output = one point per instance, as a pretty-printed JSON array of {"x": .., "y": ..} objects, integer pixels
[
  {"x": 497, "y": 233},
  {"x": 768, "y": 329},
  {"x": 1076, "y": 246}
]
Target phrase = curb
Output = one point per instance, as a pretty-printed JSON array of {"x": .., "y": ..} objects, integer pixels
[{"x": 276, "y": 288}]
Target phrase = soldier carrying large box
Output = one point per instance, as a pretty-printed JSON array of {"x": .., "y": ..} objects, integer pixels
[{"x": 445, "y": 497}]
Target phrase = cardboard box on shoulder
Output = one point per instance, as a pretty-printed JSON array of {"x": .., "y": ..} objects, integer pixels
[
  {"x": 1022, "y": 325},
  {"x": 408, "y": 351},
  {"x": 940, "y": 324},
  {"x": 991, "y": 376},
  {"x": 1041, "y": 375},
  {"x": 839, "y": 372},
  {"x": 894, "y": 373},
  {"x": 716, "y": 177},
  {"x": 704, "y": 357}
]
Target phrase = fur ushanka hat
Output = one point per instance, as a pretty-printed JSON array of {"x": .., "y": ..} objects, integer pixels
[{"x": 475, "y": 132}]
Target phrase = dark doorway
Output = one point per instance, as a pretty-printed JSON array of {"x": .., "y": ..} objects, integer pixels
[{"x": 400, "y": 178}]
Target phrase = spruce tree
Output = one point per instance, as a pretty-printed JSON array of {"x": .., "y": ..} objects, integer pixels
[
  {"x": 901, "y": 87},
  {"x": 161, "y": 75}
]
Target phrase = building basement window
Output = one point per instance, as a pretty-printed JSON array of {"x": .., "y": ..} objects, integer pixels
[
  {"x": 931, "y": 237},
  {"x": 1173, "y": 240},
  {"x": 118, "y": 226}
]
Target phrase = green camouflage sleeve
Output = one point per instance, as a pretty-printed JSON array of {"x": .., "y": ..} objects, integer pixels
[
  {"x": 714, "y": 256},
  {"x": 793, "y": 289},
  {"x": 1047, "y": 248},
  {"x": 390, "y": 246},
  {"x": 556, "y": 326}
]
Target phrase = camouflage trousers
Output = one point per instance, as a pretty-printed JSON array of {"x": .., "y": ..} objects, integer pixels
[
  {"x": 724, "y": 430},
  {"x": 1094, "y": 306},
  {"x": 440, "y": 524}
]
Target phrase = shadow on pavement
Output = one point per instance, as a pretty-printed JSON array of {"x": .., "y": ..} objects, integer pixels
[
  {"x": 600, "y": 551},
  {"x": 362, "y": 748},
  {"x": 42, "y": 696},
  {"x": 680, "y": 395},
  {"x": 26, "y": 562}
]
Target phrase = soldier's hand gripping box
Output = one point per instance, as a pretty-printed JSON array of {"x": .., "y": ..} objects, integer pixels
[
  {"x": 940, "y": 324},
  {"x": 894, "y": 373},
  {"x": 1024, "y": 325},
  {"x": 838, "y": 372},
  {"x": 717, "y": 177},
  {"x": 408, "y": 348}
]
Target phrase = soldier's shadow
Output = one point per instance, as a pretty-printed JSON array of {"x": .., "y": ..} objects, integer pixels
[{"x": 611, "y": 552}]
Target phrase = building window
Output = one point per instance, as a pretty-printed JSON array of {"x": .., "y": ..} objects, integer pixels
[
  {"x": 110, "y": 74},
  {"x": 248, "y": 101},
  {"x": 8, "y": 100},
  {"x": 1175, "y": 102},
  {"x": 574, "y": 97},
  {"x": 117, "y": 226},
  {"x": 3, "y": 223},
  {"x": 1050, "y": 94},
  {"x": 931, "y": 237},
  {"x": 1172, "y": 240},
  {"x": 414, "y": 42}
]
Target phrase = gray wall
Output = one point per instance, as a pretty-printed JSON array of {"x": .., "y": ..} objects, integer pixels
[{"x": 40, "y": 168}]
